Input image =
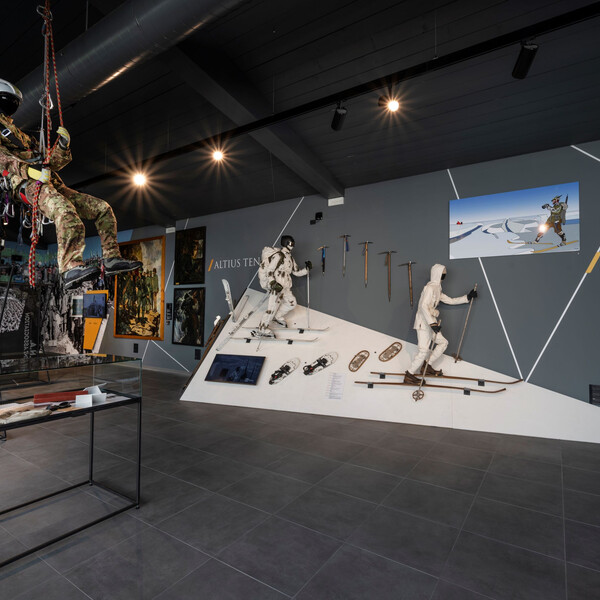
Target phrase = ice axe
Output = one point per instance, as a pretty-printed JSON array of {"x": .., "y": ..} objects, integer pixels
[
  {"x": 457, "y": 356},
  {"x": 388, "y": 263},
  {"x": 409, "y": 264},
  {"x": 322, "y": 249},
  {"x": 366, "y": 253},
  {"x": 345, "y": 248}
]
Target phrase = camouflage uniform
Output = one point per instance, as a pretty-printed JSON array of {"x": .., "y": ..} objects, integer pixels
[{"x": 64, "y": 206}]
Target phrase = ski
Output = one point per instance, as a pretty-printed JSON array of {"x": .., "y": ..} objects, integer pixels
[
  {"x": 531, "y": 242},
  {"x": 239, "y": 324},
  {"x": 229, "y": 298},
  {"x": 286, "y": 369},
  {"x": 479, "y": 380},
  {"x": 296, "y": 329},
  {"x": 273, "y": 339},
  {"x": 465, "y": 390},
  {"x": 554, "y": 247},
  {"x": 321, "y": 363}
]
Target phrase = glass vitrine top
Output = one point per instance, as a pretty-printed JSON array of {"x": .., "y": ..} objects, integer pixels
[{"x": 11, "y": 366}]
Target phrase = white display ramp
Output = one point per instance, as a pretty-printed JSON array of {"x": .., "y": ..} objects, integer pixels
[{"x": 522, "y": 409}]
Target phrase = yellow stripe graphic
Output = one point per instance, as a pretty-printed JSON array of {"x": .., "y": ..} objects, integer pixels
[
  {"x": 212, "y": 260},
  {"x": 593, "y": 263}
]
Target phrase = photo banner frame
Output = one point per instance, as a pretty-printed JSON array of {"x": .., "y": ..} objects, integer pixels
[
  {"x": 190, "y": 245},
  {"x": 528, "y": 221},
  {"x": 188, "y": 317},
  {"x": 139, "y": 295}
]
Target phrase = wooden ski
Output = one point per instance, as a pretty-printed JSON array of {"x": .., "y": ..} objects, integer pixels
[
  {"x": 383, "y": 374},
  {"x": 465, "y": 390}
]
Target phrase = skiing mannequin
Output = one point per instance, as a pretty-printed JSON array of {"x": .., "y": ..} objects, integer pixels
[
  {"x": 556, "y": 220},
  {"x": 21, "y": 174},
  {"x": 279, "y": 266},
  {"x": 427, "y": 326}
]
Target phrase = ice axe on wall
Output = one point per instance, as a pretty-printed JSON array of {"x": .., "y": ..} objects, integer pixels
[
  {"x": 457, "y": 355},
  {"x": 388, "y": 264},
  {"x": 322, "y": 249},
  {"x": 366, "y": 253},
  {"x": 409, "y": 264},
  {"x": 345, "y": 248}
]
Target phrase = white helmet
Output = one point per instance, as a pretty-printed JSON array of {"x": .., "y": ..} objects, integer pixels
[{"x": 10, "y": 97}]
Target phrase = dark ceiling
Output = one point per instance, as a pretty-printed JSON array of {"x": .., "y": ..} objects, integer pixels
[{"x": 241, "y": 61}]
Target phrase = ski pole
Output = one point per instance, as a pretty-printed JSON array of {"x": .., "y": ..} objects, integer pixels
[
  {"x": 462, "y": 335},
  {"x": 307, "y": 298}
]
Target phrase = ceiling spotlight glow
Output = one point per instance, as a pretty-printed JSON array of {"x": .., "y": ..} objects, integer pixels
[
  {"x": 389, "y": 102},
  {"x": 218, "y": 155},
  {"x": 140, "y": 179}
]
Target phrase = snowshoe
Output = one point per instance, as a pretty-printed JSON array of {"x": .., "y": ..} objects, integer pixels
[
  {"x": 359, "y": 360},
  {"x": 286, "y": 369},
  {"x": 390, "y": 351},
  {"x": 321, "y": 363}
]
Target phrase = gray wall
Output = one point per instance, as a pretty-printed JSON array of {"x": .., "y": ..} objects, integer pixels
[{"x": 411, "y": 216}]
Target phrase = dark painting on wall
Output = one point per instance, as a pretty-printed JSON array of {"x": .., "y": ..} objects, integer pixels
[
  {"x": 235, "y": 368},
  {"x": 139, "y": 296},
  {"x": 188, "y": 322},
  {"x": 189, "y": 255}
]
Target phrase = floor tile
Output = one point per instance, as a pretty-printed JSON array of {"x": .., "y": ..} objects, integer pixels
[
  {"x": 388, "y": 461},
  {"x": 305, "y": 467},
  {"x": 582, "y": 584},
  {"x": 213, "y": 524},
  {"x": 217, "y": 580},
  {"x": 328, "y": 512},
  {"x": 140, "y": 567},
  {"x": 266, "y": 491},
  {"x": 406, "y": 445},
  {"x": 582, "y": 507},
  {"x": 406, "y": 539},
  {"x": 528, "y": 529},
  {"x": 530, "y": 448},
  {"x": 449, "y": 591},
  {"x": 503, "y": 572},
  {"x": 454, "y": 477},
  {"x": 460, "y": 455},
  {"x": 361, "y": 483},
  {"x": 581, "y": 480},
  {"x": 520, "y": 492},
  {"x": 215, "y": 473},
  {"x": 252, "y": 452},
  {"x": 55, "y": 588},
  {"x": 430, "y": 502},
  {"x": 583, "y": 544},
  {"x": 20, "y": 577},
  {"x": 531, "y": 470},
  {"x": 581, "y": 456},
  {"x": 354, "y": 574},
  {"x": 280, "y": 554},
  {"x": 472, "y": 439}
]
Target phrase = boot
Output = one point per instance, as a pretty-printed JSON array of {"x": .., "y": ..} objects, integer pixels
[
  {"x": 262, "y": 333},
  {"x": 79, "y": 274},
  {"x": 431, "y": 371},
  {"x": 281, "y": 322},
  {"x": 412, "y": 379},
  {"x": 120, "y": 265}
]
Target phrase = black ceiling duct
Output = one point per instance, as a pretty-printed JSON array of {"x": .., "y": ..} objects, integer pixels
[{"x": 129, "y": 35}]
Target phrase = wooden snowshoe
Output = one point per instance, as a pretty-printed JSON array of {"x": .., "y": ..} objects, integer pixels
[
  {"x": 321, "y": 363},
  {"x": 359, "y": 360},
  {"x": 287, "y": 368},
  {"x": 390, "y": 351}
]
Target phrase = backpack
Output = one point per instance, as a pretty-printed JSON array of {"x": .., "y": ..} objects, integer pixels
[{"x": 268, "y": 264}]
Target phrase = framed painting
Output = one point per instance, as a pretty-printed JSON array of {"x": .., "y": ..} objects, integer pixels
[
  {"x": 139, "y": 295},
  {"x": 188, "y": 321},
  {"x": 189, "y": 255}
]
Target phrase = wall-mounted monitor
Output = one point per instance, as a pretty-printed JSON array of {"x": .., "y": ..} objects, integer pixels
[{"x": 235, "y": 368}]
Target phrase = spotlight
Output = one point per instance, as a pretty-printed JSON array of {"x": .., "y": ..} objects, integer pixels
[
  {"x": 524, "y": 60},
  {"x": 389, "y": 102},
  {"x": 140, "y": 179},
  {"x": 339, "y": 117},
  {"x": 218, "y": 156}
]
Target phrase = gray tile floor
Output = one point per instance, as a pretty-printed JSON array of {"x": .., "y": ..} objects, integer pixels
[{"x": 250, "y": 504}]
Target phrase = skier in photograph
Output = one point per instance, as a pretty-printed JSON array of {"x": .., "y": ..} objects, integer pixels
[
  {"x": 21, "y": 173},
  {"x": 426, "y": 324},
  {"x": 275, "y": 275},
  {"x": 557, "y": 218}
]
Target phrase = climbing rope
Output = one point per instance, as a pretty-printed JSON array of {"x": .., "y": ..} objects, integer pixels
[{"x": 46, "y": 150}]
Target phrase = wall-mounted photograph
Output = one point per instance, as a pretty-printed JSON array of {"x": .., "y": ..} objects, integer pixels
[
  {"x": 94, "y": 304},
  {"x": 188, "y": 321},
  {"x": 189, "y": 255},
  {"x": 532, "y": 221},
  {"x": 235, "y": 368},
  {"x": 139, "y": 295}
]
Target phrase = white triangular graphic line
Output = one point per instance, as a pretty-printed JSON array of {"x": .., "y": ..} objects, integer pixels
[{"x": 586, "y": 153}]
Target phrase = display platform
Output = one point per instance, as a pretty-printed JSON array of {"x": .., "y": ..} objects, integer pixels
[{"x": 522, "y": 409}]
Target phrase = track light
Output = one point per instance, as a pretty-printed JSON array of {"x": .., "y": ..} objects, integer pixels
[
  {"x": 389, "y": 102},
  {"x": 218, "y": 156},
  {"x": 140, "y": 179},
  {"x": 524, "y": 60},
  {"x": 339, "y": 117}
]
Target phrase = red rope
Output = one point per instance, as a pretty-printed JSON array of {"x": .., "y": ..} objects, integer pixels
[{"x": 50, "y": 54}]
